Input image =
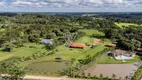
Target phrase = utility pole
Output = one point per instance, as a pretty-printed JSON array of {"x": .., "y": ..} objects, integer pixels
[{"x": 70, "y": 37}]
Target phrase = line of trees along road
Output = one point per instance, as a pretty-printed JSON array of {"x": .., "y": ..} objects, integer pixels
[{"x": 12, "y": 70}]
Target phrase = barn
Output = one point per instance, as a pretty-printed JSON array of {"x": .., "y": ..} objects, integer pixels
[
  {"x": 76, "y": 45},
  {"x": 111, "y": 45}
]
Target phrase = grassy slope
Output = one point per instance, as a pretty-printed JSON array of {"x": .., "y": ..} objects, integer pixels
[{"x": 22, "y": 52}]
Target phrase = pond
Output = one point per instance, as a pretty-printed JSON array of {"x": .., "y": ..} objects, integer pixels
[{"x": 47, "y": 67}]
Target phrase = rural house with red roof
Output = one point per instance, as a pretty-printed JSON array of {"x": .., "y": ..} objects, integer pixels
[{"x": 76, "y": 45}]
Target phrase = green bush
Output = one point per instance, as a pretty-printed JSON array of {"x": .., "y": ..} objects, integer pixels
[{"x": 138, "y": 74}]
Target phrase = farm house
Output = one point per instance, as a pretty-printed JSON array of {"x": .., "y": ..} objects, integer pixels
[
  {"x": 98, "y": 41},
  {"x": 75, "y": 45},
  {"x": 122, "y": 54},
  {"x": 47, "y": 41}
]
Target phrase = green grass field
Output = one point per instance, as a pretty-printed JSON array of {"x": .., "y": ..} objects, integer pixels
[
  {"x": 125, "y": 24},
  {"x": 89, "y": 32},
  {"x": 22, "y": 52},
  {"x": 111, "y": 60}
]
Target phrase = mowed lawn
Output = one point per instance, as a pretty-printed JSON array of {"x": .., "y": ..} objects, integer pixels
[
  {"x": 126, "y": 24},
  {"x": 22, "y": 52}
]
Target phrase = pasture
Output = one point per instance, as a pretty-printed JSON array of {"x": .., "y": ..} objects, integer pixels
[
  {"x": 22, "y": 51},
  {"x": 121, "y": 25}
]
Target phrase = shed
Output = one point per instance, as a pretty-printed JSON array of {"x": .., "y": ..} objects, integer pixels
[
  {"x": 47, "y": 41},
  {"x": 76, "y": 45},
  {"x": 111, "y": 45}
]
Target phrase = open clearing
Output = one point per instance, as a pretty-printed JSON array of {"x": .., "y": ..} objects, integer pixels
[
  {"x": 126, "y": 24},
  {"x": 120, "y": 70},
  {"x": 22, "y": 52}
]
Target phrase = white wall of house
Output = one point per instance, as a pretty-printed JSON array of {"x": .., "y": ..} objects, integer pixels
[{"x": 124, "y": 57}]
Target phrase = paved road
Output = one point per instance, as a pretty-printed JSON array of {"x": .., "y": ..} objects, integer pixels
[{"x": 120, "y": 70}]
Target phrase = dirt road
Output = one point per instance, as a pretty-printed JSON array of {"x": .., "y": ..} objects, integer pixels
[{"x": 48, "y": 78}]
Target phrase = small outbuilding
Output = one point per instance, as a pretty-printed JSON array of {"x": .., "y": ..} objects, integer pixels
[
  {"x": 47, "y": 41},
  {"x": 98, "y": 41},
  {"x": 76, "y": 45},
  {"x": 111, "y": 45}
]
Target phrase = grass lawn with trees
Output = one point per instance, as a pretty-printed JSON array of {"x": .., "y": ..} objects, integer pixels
[
  {"x": 110, "y": 60},
  {"x": 23, "y": 51},
  {"x": 67, "y": 54},
  {"x": 121, "y": 25}
]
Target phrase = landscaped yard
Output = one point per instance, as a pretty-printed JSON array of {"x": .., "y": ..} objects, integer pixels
[{"x": 111, "y": 60}]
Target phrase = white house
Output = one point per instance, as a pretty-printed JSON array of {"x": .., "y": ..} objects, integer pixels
[{"x": 122, "y": 54}]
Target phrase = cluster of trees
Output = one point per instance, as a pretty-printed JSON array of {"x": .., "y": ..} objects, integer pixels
[
  {"x": 138, "y": 74},
  {"x": 100, "y": 24},
  {"x": 128, "y": 38},
  {"x": 21, "y": 28},
  {"x": 123, "y": 17},
  {"x": 12, "y": 70}
]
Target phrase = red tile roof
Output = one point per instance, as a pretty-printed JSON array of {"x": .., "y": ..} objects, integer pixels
[
  {"x": 111, "y": 45},
  {"x": 75, "y": 45},
  {"x": 98, "y": 41}
]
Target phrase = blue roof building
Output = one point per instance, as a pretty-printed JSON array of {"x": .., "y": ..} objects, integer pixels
[{"x": 47, "y": 41}]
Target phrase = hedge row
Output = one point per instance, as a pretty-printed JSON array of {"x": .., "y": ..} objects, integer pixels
[{"x": 138, "y": 74}]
